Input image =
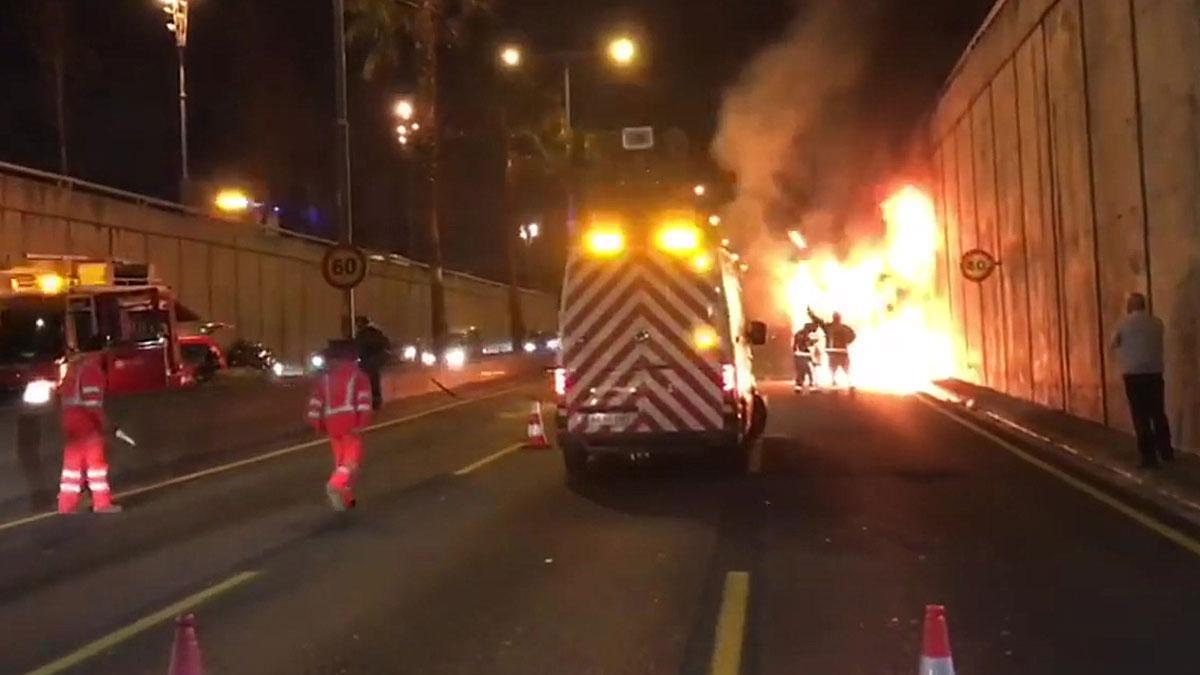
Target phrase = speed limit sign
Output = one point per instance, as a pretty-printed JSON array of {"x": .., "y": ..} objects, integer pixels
[
  {"x": 344, "y": 266},
  {"x": 977, "y": 264}
]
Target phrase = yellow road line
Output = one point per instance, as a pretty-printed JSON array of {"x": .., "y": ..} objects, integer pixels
[
  {"x": 120, "y": 635},
  {"x": 186, "y": 478},
  {"x": 731, "y": 625},
  {"x": 1112, "y": 502},
  {"x": 489, "y": 459}
]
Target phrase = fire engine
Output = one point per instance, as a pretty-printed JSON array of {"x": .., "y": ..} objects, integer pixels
[
  {"x": 53, "y": 306},
  {"x": 655, "y": 348}
]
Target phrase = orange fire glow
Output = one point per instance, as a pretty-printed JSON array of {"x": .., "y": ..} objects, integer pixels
[{"x": 887, "y": 292}]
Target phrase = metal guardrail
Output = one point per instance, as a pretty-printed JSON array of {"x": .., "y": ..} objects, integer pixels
[{"x": 76, "y": 184}]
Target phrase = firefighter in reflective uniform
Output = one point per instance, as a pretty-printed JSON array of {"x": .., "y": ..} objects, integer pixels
[
  {"x": 838, "y": 338},
  {"x": 83, "y": 424},
  {"x": 802, "y": 351},
  {"x": 340, "y": 407}
]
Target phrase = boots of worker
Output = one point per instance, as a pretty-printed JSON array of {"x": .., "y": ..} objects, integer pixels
[{"x": 336, "y": 500}]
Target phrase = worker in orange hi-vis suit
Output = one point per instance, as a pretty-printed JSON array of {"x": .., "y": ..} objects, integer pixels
[
  {"x": 82, "y": 397},
  {"x": 340, "y": 406}
]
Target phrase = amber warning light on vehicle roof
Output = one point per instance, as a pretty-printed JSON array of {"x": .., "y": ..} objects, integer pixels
[
  {"x": 604, "y": 241},
  {"x": 679, "y": 238}
]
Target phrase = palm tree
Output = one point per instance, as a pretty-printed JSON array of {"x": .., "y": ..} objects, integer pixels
[
  {"x": 531, "y": 124},
  {"x": 383, "y": 28}
]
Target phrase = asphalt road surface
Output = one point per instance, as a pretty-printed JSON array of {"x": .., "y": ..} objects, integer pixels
[{"x": 855, "y": 515}]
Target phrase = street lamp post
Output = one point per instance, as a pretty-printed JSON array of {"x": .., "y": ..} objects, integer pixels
[
  {"x": 344, "y": 200},
  {"x": 177, "y": 23},
  {"x": 622, "y": 51}
]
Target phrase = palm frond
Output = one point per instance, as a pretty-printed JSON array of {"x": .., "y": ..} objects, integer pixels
[{"x": 381, "y": 28}]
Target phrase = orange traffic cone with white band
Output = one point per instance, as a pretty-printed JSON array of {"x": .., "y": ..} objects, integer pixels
[
  {"x": 185, "y": 653},
  {"x": 536, "y": 430},
  {"x": 935, "y": 645}
]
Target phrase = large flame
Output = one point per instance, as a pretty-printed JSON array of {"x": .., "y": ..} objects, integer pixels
[{"x": 887, "y": 292}]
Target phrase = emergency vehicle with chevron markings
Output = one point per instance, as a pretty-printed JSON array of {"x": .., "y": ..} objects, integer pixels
[{"x": 655, "y": 348}]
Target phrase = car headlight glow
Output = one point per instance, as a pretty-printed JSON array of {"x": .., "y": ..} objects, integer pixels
[
  {"x": 277, "y": 368},
  {"x": 38, "y": 392},
  {"x": 409, "y": 353},
  {"x": 317, "y": 361},
  {"x": 456, "y": 357},
  {"x": 530, "y": 347},
  {"x": 428, "y": 358},
  {"x": 552, "y": 343}
]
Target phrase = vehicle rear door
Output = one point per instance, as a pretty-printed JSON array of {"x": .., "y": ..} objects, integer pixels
[
  {"x": 139, "y": 337},
  {"x": 630, "y": 349}
]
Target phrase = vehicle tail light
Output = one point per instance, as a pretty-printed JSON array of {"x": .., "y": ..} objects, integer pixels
[
  {"x": 560, "y": 381},
  {"x": 728, "y": 377}
]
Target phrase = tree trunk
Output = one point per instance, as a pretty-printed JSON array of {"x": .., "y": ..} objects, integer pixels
[
  {"x": 431, "y": 31},
  {"x": 516, "y": 319}
]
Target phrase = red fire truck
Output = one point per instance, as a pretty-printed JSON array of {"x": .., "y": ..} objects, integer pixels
[{"x": 53, "y": 306}]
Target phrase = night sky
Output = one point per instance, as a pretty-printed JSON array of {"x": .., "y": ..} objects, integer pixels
[{"x": 261, "y": 95}]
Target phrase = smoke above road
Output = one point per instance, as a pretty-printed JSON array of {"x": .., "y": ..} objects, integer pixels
[{"x": 793, "y": 129}]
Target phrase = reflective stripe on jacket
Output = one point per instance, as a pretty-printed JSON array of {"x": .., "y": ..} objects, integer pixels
[
  {"x": 82, "y": 397},
  {"x": 341, "y": 400}
]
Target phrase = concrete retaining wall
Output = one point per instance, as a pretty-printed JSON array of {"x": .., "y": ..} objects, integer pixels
[
  {"x": 1067, "y": 143},
  {"x": 267, "y": 285}
]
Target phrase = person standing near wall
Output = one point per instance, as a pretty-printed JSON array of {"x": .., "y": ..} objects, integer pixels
[
  {"x": 1138, "y": 345},
  {"x": 373, "y": 350}
]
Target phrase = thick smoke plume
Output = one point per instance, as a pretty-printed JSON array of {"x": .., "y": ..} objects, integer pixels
[{"x": 794, "y": 129}]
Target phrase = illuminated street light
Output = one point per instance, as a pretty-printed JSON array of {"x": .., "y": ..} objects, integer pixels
[
  {"x": 622, "y": 51},
  {"x": 511, "y": 56},
  {"x": 700, "y": 190},
  {"x": 714, "y": 220},
  {"x": 529, "y": 232},
  {"x": 404, "y": 109},
  {"x": 232, "y": 200}
]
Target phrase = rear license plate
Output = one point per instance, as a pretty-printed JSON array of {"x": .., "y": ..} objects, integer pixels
[{"x": 611, "y": 419}]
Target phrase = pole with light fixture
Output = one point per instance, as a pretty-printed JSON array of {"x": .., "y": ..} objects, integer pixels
[
  {"x": 177, "y": 24},
  {"x": 345, "y": 199},
  {"x": 622, "y": 51}
]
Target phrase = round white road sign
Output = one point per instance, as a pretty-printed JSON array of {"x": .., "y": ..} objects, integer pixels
[
  {"x": 977, "y": 264},
  {"x": 344, "y": 266}
]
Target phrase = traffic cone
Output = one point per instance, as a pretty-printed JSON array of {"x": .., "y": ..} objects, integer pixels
[
  {"x": 185, "y": 653},
  {"x": 536, "y": 430},
  {"x": 935, "y": 645}
]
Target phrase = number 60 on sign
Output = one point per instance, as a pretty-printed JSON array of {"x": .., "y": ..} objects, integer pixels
[
  {"x": 977, "y": 264},
  {"x": 344, "y": 266}
]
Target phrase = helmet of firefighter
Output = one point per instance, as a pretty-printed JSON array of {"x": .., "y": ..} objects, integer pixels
[{"x": 341, "y": 350}]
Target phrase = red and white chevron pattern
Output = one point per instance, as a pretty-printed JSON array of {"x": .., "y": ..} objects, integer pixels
[{"x": 659, "y": 383}]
